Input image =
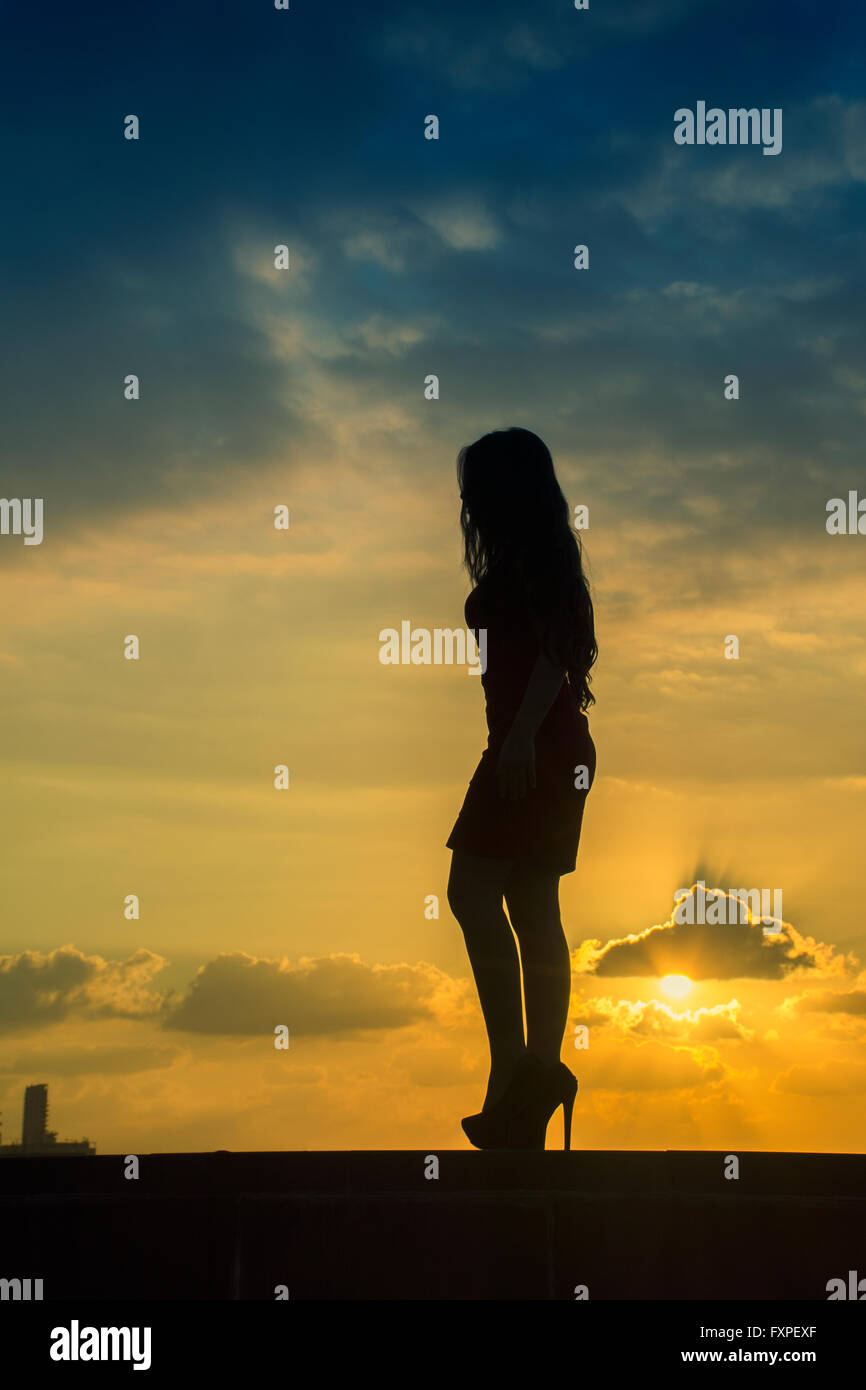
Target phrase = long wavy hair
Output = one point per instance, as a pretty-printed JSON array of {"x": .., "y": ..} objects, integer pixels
[{"x": 517, "y": 532}]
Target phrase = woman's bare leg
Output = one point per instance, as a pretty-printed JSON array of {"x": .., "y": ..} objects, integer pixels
[
  {"x": 532, "y": 896},
  {"x": 475, "y": 892}
]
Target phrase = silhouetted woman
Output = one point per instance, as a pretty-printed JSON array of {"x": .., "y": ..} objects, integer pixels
[{"x": 519, "y": 826}]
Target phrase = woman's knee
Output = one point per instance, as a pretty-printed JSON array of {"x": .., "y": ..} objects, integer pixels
[
  {"x": 533, "y": 904},
  {"x": 473, "y": 890},
  {"x": 458, "y": 897},
  {"x": 460, "y": 890}
]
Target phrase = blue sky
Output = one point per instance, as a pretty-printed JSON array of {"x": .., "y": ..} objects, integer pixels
[{"x": 556, "y": 127}]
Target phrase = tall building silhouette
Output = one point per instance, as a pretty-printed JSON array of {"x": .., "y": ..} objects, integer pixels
[
  {"x": 36, "y": 1138},
  {"x": 33, "y": 1126}
]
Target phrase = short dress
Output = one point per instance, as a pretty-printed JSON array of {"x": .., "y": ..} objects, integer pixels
[{"x": 542, "y": 828}]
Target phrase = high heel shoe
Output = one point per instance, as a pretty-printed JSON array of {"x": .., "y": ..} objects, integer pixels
[
  {"x": 527, "y": 1129},
  {"x": 490, "y": 1129}
]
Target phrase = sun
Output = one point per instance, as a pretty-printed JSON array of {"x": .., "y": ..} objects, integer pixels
[{"x": 676, "y": 985}]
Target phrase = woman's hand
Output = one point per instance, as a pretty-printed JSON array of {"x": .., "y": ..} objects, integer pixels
[{"x": 515, "y": 766}]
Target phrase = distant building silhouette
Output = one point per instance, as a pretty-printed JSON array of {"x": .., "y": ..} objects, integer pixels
[
  {"x": 36, "y": 1138},
  {"x": 33, "y": 1127}
]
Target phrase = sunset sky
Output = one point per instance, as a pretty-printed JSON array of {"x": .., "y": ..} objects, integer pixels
[{"x": 259, "y": 647}]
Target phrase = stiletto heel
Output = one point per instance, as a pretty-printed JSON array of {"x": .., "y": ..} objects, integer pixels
[
  {"x": 567, "y": 1112},
  {"x": 528, "y": 1129},
  {"x": 519, "y": 1119}
]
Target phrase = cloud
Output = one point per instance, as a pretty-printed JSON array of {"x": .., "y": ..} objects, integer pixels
[
  {"x": 708, "y": 952},
  {"x": 474, "y": 54},
  {"x": 234, "y": 994},
  {"x": 91, "y": 1061},
  {"x": 393, "y": 336},
  {"x": 37, "y": 988},
  {"x": 806, "y": 642},
  {"x": 824, "y": 152},
  {"x": 829, "y": 153},
  {"x": 464, "y": 225},
  {"x": 852, "y": 1001},
  {"x": 652, "y": 1066},
  {"x": 823, "y": 1079},
  {"x": 335, "y": 995},
  {"x": 212, "y": 395},
  {"x": 253, "y": 254},
  {"x": 655, "y": 1019},
  {"x": 385, "y": 241}
]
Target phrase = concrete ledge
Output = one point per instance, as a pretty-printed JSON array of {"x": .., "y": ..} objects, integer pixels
[{"x": 370, "y": 1225}]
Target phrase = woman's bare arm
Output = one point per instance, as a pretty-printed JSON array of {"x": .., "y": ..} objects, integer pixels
[
  {"x": 515, "y": 768},
  {"x": 542, "y": 689}
]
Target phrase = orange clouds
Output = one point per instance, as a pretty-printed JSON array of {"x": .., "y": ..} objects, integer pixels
[
  {"x": 37, "y": 988},
  {"x": 704, "y": 951},
  {"x": 335, "y": 995}
]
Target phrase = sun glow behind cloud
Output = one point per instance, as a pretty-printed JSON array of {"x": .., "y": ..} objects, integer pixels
[{"x": 676, "y": 986}]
